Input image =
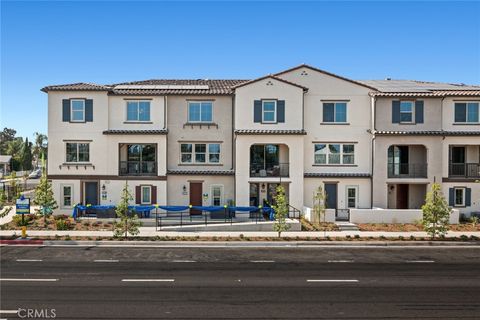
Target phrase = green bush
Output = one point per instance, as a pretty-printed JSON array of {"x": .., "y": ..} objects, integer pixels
[
  {"x": 62, "y": 224},
  {"x": 17, "y": 219}
]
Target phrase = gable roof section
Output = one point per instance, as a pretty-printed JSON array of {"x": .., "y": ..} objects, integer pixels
[
  {"x": 326, "y": 73},
  {"x": 79, "y": 86},
  {"x": 269, "y": 76}
]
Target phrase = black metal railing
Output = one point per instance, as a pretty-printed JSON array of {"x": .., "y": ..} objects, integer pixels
[
  {"x": 204, "y": 218},
  {"x": 294, "y": 213},
  {"x": 138, "y": 168},
  {"x": 269, "y": 170},
  {"x": 407, "y": 170},
  {"x": 464, "y": 170}
]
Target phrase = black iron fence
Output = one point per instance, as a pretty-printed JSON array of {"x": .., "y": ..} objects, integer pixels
[
  {"x": 138, "y": 168},
  {"x": 464, "y": 170},
  {"x": 269, "y": 169},
  {"x": 407, "y": 170}
]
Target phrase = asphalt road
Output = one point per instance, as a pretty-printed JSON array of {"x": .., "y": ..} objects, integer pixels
[{"x": 241, "y": 283}]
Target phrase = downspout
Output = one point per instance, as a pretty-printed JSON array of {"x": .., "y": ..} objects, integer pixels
[
  {"x": 165, "y": 126},
  {"x": 234, "y": 147},
  {"x": 373, "y": 126}
]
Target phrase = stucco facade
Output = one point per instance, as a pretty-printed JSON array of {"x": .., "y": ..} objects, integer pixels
[{"x": 301, "y": 128}]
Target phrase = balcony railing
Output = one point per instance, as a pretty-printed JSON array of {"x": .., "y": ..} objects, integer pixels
[
  {"x": 407, "y": 170},
  {"x": 138, "y": 168},
  {"x": 464, "y": 170},
  {"x": 261, "y": 170}
]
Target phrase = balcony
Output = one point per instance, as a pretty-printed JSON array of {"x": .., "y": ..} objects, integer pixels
[
  {"x": 407, "y": 170},
  {"x": 265, "y": 170},
  {"x": 138, "y": 168},
  {"x": 464, "y": 170}
]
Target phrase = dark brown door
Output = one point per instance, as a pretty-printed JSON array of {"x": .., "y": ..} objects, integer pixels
[
  {"x": 402, "y": 196},
  {"x": 195, "y": 196}
]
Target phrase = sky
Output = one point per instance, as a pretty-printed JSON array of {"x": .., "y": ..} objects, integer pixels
[{"x": 55, "y": 42}]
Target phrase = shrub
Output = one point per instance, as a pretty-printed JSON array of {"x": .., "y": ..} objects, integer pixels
[
  {"x": 17, "y": 219},
  {"x": 412, "y": 237},
  {"x": 463, "y": 237},
  {"x": 62, "y": 224},
  {"x": 357, "y": 236}
]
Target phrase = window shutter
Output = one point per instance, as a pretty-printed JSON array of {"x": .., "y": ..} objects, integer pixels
[
  {"x": 281, "y": 111},
  {"x": 138, "y": 195},
  {"x": 451, "y": 196},
  {"x": 88, "y": 110},
  {"x": 154, "y": 195},
  {"x": 66, "y": 110},
  {"x": 419, "y": 111},
  {"x": 468, "y": 197},
  {"x": 460, "y": 112},
  {"x": 395, "y": 111},
  {"x": 257, "y": 111}
]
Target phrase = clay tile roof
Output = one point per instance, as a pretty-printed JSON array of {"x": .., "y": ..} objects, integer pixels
[
  {"x": 428, "y": 133},
  {"x": 161, "y": 131},
  {"x": 80, "y": 86},
  {"x": 270, "y": 76},
  {"x": 336, "y": 175},
  {"x": 202, "y": 172},
  {"x": 273, "y": 132},
  {"x": 176, "y": 87}
]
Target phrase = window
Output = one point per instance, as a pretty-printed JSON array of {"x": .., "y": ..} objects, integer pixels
[
  {"x": 146, "y": 195},
  {"x": 200, "y": 153},
  {"x": 335, "y": 112},
  {"x": 67, "y": 196},
  {"x": 200, "y": 111},
  {"x": 352, "y": 193},
  {"x": 406, "y": 111},
  {"x": 467, "y": 112},
  {"x": 138, "y": 159},
  {"x": 216, "y": 191},
  {"x": 459, "y": 197},
  {"x": 77, "y": 152},
  {"x": 138, "y": 110},
  {"x": 77, "y": 110},
  {"x": 334, "y": 153},
  {"x": 269, "y": 111}
]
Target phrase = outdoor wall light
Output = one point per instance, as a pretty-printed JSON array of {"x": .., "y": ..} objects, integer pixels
[
  {"x": 103, "y": 187},
  {"x": 184, "y": 188},
  {"x": 263, "y": 186}
]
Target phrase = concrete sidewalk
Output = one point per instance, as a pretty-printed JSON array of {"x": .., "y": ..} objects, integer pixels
[{"x": 150, "y": 232}]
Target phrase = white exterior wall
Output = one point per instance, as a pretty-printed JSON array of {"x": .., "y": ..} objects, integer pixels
[
  {"x": 176, "y": 196},
  {"x": 362, "y": 184},
  {"x": 117, "y": 113},
  {"x": 269, "y": 89},
  {"x": 393, "y": 216},
  {"x": 242, "y": 169}
]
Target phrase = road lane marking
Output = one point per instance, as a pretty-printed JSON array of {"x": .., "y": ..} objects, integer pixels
[
  {"x": 20, "y": 279},
  {"x": 29, "y": 260},
  {"x": 148, "y": 280},
  {"x": 420, "y": 261},
  {"x": 183, "y": 261},
  {"x": 105, "y": 260},
  {"x": 340, "y": 261},
  {"x": 332, "y": 280},
  {"x": 262, "y": 261}
]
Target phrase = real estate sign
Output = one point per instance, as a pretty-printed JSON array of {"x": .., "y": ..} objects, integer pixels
[{"x": 23, "y": 205}]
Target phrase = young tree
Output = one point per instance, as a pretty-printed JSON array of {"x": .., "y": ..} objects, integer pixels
[
  {"x": 44, "y": 196},
  {"x": 281, "y": 211},
  {"x": 319, "y": 203},
  {"x": 39, "y": 147},
  {"x": 26, "y": 155},
  {"x": 436, "y": 212},
  {"x": 127, "y": 224}
]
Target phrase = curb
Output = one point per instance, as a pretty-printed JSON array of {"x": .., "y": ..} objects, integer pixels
[{"x": 233, "y": 244}]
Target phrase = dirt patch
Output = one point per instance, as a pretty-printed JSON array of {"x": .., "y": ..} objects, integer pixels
[
  {"x": 37, "y": 222},
  {"x": 398, "y": 227},
  {"x": 309, "y": 226}
]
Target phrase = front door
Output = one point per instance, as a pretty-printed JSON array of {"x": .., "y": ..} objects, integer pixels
[
  {"x": 254, "y": 195},
  {"x": 402, "y": 196},
  {"x": 91, "y": 193},
  {"x": 195, "y": 196},
  {"x": 331, "y": 195}
]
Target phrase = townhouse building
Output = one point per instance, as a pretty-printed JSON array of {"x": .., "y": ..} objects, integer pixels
[{"x": 215, "y": 142}]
